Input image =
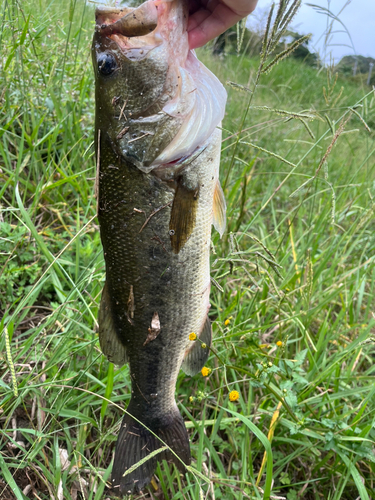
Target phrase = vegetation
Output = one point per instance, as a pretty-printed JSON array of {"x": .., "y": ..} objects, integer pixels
[
  {"x": 358, "y": 66},
  {"x": 302, "y": 52},
  {"x": 293, "y": 306},
  {"x": 347, "y": 64},
  {"x": 249, "y": 43}
]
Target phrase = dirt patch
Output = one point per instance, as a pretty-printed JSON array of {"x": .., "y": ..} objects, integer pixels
[{"x": 27, "y": 481}]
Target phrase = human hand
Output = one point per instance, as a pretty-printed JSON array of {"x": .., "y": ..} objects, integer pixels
[{"x": 209, "y": 18}]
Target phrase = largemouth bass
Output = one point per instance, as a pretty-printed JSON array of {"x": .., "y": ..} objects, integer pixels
[{"x": 158, "y": 154}]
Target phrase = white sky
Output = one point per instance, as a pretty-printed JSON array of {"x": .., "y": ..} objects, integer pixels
[{"x": 358, "y": 17}]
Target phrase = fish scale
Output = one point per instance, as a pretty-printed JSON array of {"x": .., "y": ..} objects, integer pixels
[
  {"x": 155, "y": 225},
  {"x": 145, "y": 260}
]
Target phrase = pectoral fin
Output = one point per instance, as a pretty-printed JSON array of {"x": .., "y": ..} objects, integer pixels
[
  {"x": 183, "y": 215},
  {"x": 110, "y": 343},
  {"x": 196, "y": 356},
  {"x": 219, "y": 209}
]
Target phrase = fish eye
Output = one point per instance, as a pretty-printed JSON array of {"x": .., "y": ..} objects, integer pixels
[{"x": 107, "y": 64}]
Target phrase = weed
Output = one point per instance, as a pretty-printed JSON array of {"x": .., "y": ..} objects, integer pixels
[{"x": 293, "y": 309}]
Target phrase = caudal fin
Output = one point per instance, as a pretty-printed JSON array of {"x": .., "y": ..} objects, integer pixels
[{"x": 137, "y": 444}]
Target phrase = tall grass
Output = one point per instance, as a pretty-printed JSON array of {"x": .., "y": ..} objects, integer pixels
[{"x": 292, "y": 309}]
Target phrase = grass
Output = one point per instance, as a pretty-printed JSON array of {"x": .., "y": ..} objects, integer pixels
[{"x": 293, "y": 310}]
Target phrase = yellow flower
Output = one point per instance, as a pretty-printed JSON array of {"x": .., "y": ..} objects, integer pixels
[
  {"x": 192, "y": 336},
  {"x": 191, "y": 399},
  {"x": 234, "y": 395},
  {"x": 279, "y": 343},
  {"x": 205, "y": 371},
  {"x": 227, "y": 321}
]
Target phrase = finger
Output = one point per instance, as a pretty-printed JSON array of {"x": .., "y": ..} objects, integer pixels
[
  {"x": 195, "y": 5},
  {"x": 207, "y": 26},
  {"x": 197, "y": 19},
  {"x": 241, "y": 7}
]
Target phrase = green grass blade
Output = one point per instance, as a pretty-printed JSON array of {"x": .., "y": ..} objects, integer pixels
[{"x": 9, "y": 480}]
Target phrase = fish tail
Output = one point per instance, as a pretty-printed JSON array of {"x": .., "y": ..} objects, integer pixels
[{"x": 138, "y": 450}]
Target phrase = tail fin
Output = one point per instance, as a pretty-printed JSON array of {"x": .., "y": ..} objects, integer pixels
[{"x": 137, "y": 444}]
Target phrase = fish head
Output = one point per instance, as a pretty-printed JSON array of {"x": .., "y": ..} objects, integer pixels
[{"x": 136, "y": 56}]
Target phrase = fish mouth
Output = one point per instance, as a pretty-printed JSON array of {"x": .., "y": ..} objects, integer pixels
[
  {"x": 127, "y": 22},
  {"x": 147, "y": 26},
  {"x": 134, "y": 30}
]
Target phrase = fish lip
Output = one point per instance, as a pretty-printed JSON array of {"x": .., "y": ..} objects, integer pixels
[
  {"x": 107, "y": 30},
  {"x": 122, "y": 37},
  {"x": 136, "y": 22}
]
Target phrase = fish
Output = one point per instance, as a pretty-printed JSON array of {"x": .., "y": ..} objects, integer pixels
[{"x": 158, "y": 142}]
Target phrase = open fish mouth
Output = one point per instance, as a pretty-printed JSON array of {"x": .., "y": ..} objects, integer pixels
[
  {"x": 133, "y": 30},
  {"x": 138, "y": 30},
  {"x": 127, "y": 21}
]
